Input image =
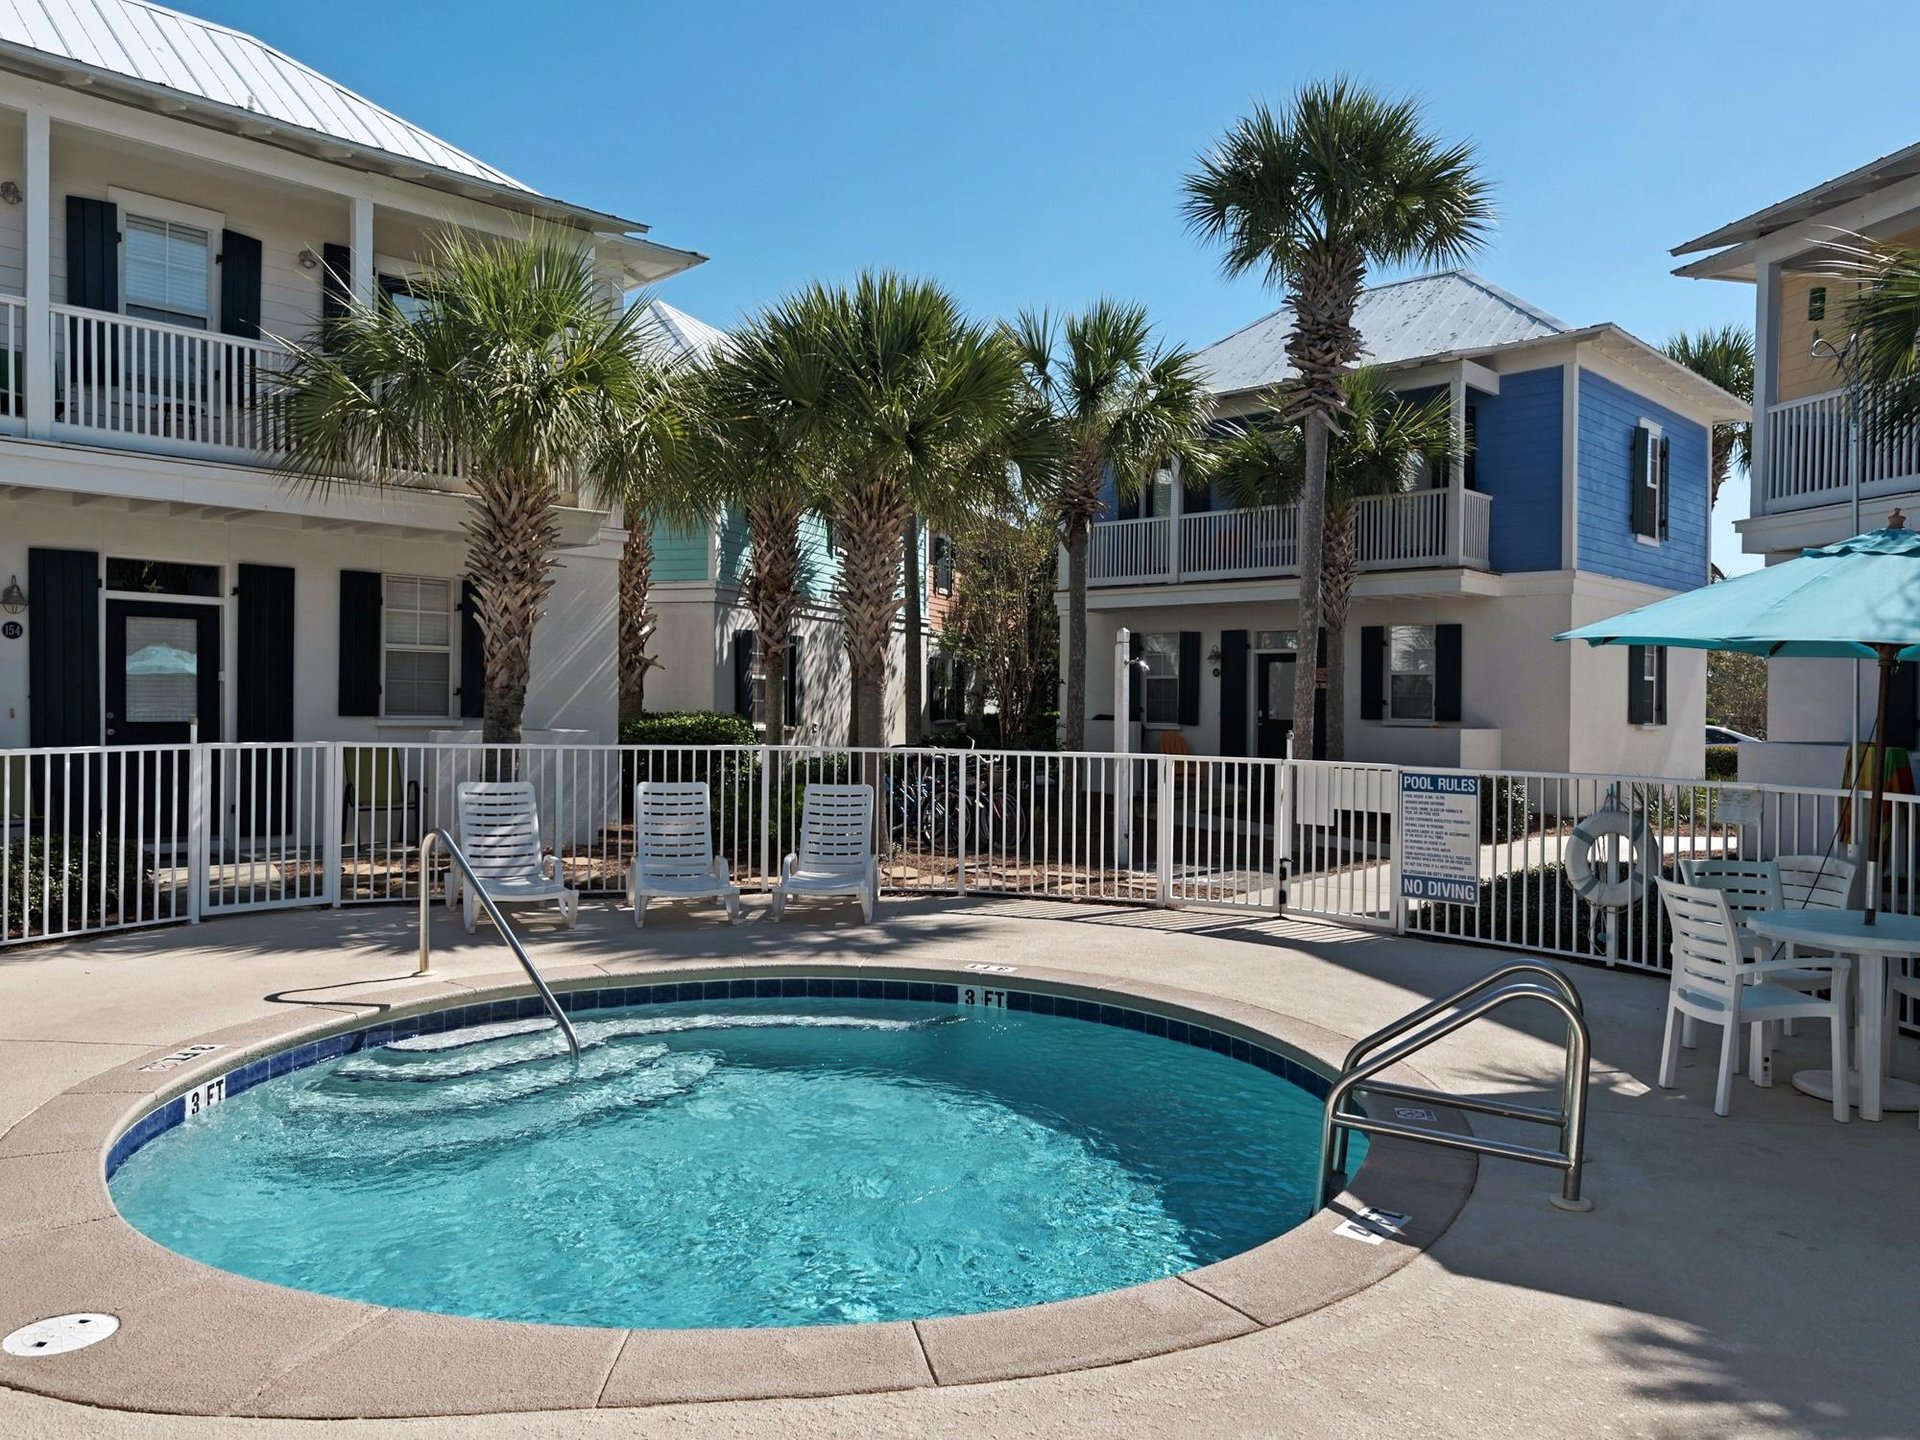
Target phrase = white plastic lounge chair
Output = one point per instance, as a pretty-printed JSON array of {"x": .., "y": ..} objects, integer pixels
[
  {"x": 673, "y": 849},
  {"x": 835, "y": 854},
  {"x": 500, "y": 833},
  {"x": 1713, "y": 982}
]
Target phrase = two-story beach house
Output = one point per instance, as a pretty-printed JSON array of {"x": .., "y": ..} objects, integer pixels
[
  {"x": 174, "y": 195},
  {"x": 1803, "y": 475},
  {"x": 1584, "y": 493},
  {"x": 704, "y": 640}
]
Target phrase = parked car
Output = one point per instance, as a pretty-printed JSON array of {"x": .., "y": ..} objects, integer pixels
[{"x": 1721, "y": 735}]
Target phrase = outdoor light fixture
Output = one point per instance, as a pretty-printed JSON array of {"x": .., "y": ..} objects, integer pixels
[
  {"x": 308, "y": 260},
  {"x": 13, "y": 599},
  {"x": 10, "y": 192},
  {"x": 1213, "y": 659}
]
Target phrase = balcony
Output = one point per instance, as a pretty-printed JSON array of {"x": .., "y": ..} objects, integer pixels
[
  {"x": 1391, "y": 532},
  {"x": 1806, "y": 455}
]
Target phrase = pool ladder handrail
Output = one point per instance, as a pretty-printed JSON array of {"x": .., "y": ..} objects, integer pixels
[
  {"x": 1434, "y": 1021},
  {"x": 441, "y": 839}
]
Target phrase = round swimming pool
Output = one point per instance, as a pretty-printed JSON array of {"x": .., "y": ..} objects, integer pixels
[{"x": 736, "y": 1153}]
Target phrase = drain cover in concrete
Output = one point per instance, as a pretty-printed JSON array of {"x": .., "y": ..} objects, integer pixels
[{"x": 60, "y": 1334}]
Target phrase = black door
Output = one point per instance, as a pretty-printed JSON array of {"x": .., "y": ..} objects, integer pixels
[
  {"x": 1273, "y": 703},
  {"x": 163, "y": 673}
]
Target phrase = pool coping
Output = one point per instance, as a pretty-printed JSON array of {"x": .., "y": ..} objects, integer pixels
[{"x": 195, "y": 1340}]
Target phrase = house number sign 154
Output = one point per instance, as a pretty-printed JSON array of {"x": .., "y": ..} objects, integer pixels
[{"x": 13, "y": 629}]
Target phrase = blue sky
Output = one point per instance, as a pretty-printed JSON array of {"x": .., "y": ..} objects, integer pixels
[{"x": 1031, "y": 154}]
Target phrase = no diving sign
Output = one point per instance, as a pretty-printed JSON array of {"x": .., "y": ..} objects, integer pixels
[{"x": 1440, "y": 836}]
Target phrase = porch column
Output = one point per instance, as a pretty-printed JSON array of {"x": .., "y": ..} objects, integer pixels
[
  {"x": 37, "y": 343},
  {"x": 1456, "y": 539},
  {"x": 1176, "y": 506},
  {"x": 362, "y": 277},
  {"x": 1766, "y": 374}
]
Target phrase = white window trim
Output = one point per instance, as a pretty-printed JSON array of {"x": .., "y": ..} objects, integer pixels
[
  {"x": 452, "y": 650},
  {"x": 1146, "y": 677},
  {"x": 1387, "y": 717},
  {"x": 154, "y": 207},
  {"x": 1655, "y": 434}
]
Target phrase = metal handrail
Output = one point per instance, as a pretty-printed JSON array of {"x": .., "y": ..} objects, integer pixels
[
  {"x": 1492, "y": 978},
  {"x": 445, "y": 841},
  {"x": 1570, "y": 1119}
]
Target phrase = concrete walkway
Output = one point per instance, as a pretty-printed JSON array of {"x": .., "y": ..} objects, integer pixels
[{"x": 1747, "y": 1276}]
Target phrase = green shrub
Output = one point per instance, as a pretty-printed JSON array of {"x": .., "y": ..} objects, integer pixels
[
  {"x": 1505, "y": 809},
  {"x": 1538, "y": 908},
  {"x": 688, "y": 727},
  {"x": 1723, "y": 762},
  {"x": 81, "y": 882}
]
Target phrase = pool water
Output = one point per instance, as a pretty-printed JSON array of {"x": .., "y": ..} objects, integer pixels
[{"x": 736, "y": 1163}]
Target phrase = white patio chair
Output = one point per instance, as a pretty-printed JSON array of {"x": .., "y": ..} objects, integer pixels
[
  {"x": 500, "y": 835},
  {"x": 835, "y": 851},
  {"x": 1711, "y": 983},
  {"x": 673, "y": 849},
  {"x": 1809, "y": 882}
]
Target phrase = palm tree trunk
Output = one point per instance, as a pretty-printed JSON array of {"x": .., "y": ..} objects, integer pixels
[
  {"x": 637, "y": 616},
  {"x": 772, "y": 594},
  {"x": 914, "y": 576},
  {"x": 1336, "y": 585},
  {"x": 511, "y": 538},
  {"x": 871, "y": 518},
  {"x": 1312, "y": 543}
]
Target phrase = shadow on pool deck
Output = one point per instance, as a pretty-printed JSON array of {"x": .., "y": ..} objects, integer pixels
[{"x": 1753, "y": 1274}]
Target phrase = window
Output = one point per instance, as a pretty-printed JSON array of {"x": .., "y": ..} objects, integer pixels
[
  {"x": 400, "y": 295},
  {"x": 417, "y": 656},
  {"x": 162, "y": 577},
  {"x": 1646, "y": 685},
  {"x": 943, "y": 564},
  {"x": 946, "y": 688},
  {"x": 1647, "y": 479},
  {"x": 1817, "y": 303},
  {"x": 1160, "y": 681},
  {"x": 1411, "y": 672},
  {"x": 168, "y": 270}
]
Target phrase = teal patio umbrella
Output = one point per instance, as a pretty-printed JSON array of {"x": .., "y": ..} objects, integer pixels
[{"x": 1855, "y": 600}]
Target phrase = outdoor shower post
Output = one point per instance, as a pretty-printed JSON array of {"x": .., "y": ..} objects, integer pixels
[{"x": 1122, "y": 744}]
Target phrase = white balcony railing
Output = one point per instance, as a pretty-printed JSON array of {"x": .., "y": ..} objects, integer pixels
[
  {"x": 1391, "y": 532},
  {"x": 153, "y": 386},
  {"x": 1806, "y": 454}
]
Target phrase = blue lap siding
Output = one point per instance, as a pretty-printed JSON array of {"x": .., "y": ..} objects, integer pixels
[
  {"x": 1517, "y": 445},
  {"x": 1608, "y": 414}
]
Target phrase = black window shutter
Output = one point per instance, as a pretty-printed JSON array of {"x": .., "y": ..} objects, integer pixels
[
  {"x": 942, "y": 564},
  {"x": 1903, "y": 706},
  {"x": 1470, "y": 473},
  {"x": 1233, "y": 692},
  {"x": 1189, "y": 677},
  {"x": 1663, "y": 487},
  {"x": 239, "y": 285},
  {"x": 93, "y": 253},
  {"x": 473, "y": 655},
  {"x": 1136, "y": 677},
  {"x": 796, "y": 687},
  {"x": 1641, "y": 498},
  {"x": 263, "y": 697},
  {"x": 744, "y": 643},
  {"x": 360, "y": 640},
  {"x": 1373, "y": 672},
  {"x": 1639, "y": 700},
  {"x": 336, "y": 281},
  {"x": 63, "y": 647},
  {"x": 1660, "y": 686},
  {"x": 1446, "y": 673}
]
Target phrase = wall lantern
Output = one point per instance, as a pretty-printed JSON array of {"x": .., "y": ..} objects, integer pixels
[
  {"x": 1213, "y": 659},
  {"x": 13, "y": 599},
  {"x": 10, "y": 192},
  {"x": 308, "y": 260}
]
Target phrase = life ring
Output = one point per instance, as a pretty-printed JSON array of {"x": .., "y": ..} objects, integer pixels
[{"x": 1613, "y": 892}]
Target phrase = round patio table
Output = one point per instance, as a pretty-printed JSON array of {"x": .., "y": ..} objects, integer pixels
[{"x": 1846, "y": 932}]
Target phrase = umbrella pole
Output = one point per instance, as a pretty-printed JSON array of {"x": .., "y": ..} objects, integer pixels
[{"x": 1877, "y": 753}]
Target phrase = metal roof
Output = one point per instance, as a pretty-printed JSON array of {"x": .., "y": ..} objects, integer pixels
[
  {"x": 1854, "y": 185},
  {"x": 678, "y": 334},
  {"x": 1429, "y": 315},
  {"x": 158, "y": 46}
]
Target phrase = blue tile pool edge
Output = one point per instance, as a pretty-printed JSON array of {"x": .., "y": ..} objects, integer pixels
[{"x": 305, "y": 1053}]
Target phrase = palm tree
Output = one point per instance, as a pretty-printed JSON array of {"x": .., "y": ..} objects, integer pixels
[
  {"x": 1123, "y": 407},
  {"x": 638, "y": 619},
  {"x": 1341, "y": 181},
  {"x": 1724, "y": 357},
  {"x": 1378, "y": 452},
  {"x": 1885, "y": 313},
  {"x": 519, "y": 372}
]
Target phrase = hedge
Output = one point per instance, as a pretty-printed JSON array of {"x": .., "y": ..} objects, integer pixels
[
  {"x": 45, "y": 884},
  {"x": 1723, "y": 762},
  {"x": 688, "y": 727}
]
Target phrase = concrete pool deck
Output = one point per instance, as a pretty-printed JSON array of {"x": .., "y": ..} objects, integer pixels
[{"x": 1741, "y": 1276}]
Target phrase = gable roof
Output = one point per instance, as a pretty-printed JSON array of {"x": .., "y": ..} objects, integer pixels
[
  {"x": 1854, "y": 185},
  {"x": 679, "y": 335},
  {"x": 1402, "y": 320}
]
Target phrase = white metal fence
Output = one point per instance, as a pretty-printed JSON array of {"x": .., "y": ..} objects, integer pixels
[{"x": 108, "y": 838}]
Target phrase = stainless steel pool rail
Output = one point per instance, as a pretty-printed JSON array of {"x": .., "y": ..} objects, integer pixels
[
  {"x": 1435, "y": 1020},
  {"x": 440, "y": 839}
]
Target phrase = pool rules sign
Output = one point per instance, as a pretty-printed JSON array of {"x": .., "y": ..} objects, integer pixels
[{"x": 1440, "y": 837}]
